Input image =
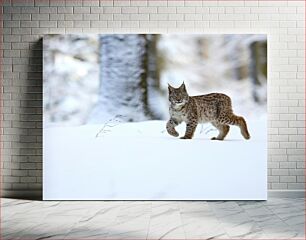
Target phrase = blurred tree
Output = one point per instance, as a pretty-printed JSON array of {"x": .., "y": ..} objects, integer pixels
[
  {"x": 127, "y": 74},
  {"x": 258, "y": 68}
]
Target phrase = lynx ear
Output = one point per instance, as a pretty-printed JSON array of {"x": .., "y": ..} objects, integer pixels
[
  {"x": 170, "y": 88},
  {"x": 183, "y": 86}
]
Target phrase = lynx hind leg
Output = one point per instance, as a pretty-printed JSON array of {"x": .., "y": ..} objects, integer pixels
[
  {"x": 223, "y": 131},
  {"x": 237, "y": 121}
]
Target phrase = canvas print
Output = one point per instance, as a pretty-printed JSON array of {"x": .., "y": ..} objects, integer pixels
[{"x": 155, "y": 117}]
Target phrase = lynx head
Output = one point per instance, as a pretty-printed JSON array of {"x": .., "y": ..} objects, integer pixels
[{"x": 178, "y": 96}]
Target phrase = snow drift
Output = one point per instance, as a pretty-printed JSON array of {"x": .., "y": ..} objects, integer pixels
[{"x": 140, "y": 161}]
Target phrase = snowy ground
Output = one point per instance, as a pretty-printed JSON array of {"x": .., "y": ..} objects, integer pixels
[{"x": 140, "y": 161}]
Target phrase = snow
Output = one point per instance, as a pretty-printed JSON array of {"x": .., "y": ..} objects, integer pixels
[{"x": 140, "y": 161}]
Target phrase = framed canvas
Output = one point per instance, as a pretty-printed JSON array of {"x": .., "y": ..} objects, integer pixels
[{"x": 155, "y": 117}]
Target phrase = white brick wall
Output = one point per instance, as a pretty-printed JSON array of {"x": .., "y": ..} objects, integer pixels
[{"x": 26, "y": 21}]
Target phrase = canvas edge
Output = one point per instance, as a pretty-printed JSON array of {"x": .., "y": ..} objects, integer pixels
[{"x": 37, "y": 194}]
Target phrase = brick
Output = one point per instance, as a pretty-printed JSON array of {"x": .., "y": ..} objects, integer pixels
[
  {"x": 81, "y": 24},
  {"x": 27, "y": 179},
  {"x": 300, "y": 144},
  {"x": 296, "y": 172},
  {"x": 57, "y": 17},
  {"x": 185, "y": 24},
  {"x": 230, "y": 17},
  {"x": 242, "y": 10},
  {"x": 81, "y": 10},
  {"x": 130, "y": 24},
  {"x": 147, "y": 9},
  {"x": 195, "y": 17},
  {"x": 193, "y": 3},
  {"x": 148, "y": 24},
  {"x": 112, "y": 9},
  {"x": 221, "y": 24},
  {"x": 41, "y": 17},
  {"x": 216, "y": 10},
  {"x": 300, "y": 165},
  {"x": 138, "y": 3},
  {"x": 91, "y": 16},
  {"x": 98, "y": 24},
  {"x": 58, "y": 3},
  {"x": 296, "y": 186},
  {"x": 21, "y": 16},
  {"x": 279, "y": 186},
  {"x": 287, "y": 179},
  {"x": 23, "y": 3},
  {"x": 157, "y": 3},
  {"x": 65, "y": 24},
  {"x": 166, "y": 9},
  {"x": 11, "y": 10},
  {"x": 287, "y": 165},
  {"x": 104, "y": 17},
  {"x": 48, "y": 10},
  {"x": 161, "y": 17},
  {"x": 300, "y": 179},
  {"x": 280, "y": 172},
  {"x": 11, "y": 24},
  {"x": 29, "y": 24},
  {"x": 19, "y": 173},
  {"x": 29, "y": 10},
  {"x": 47, "y": 24},
  {"x": 121, "y": 17},
  {"x": 129, "y": 10},
  {"x": 139, "y": 17},
  {"x": 11, "y": 179},
  {"x": 95, "y": 3},
  {"x": 230, "y": 3},
  {"x": 75, "y": 16},
  {"x": 62, "y": 10},
  {"x": 167, "y": 24},
  {"x": 96, "y": 10},
  {"x": 176, "y": 17},
  {"x": 42, "y": 2},
  {"x": 74, "y": 3},
  {"x": 121, "y": 3},
  {"x": 202, "y": 10},
  {"x": 185, "y": 10}
]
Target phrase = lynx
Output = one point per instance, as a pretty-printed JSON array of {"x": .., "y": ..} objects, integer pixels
[{"x": 215, "y": 108}]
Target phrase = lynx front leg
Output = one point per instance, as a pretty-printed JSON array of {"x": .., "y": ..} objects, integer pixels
[
  {"x": 190, "y": 129},
  {"x": 171, "y": 124}
]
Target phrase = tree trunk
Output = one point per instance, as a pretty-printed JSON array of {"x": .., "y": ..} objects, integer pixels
[
  {"x": 257, "y": 67},
  {"x": 123, "y": 79}
]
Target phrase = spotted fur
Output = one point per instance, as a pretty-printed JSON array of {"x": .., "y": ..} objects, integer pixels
[{"x": 215, "y": 108}]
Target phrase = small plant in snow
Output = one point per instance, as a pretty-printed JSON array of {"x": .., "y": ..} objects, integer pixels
[{"x": 113, "y": 122}]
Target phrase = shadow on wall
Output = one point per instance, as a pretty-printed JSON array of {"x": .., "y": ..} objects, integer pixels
[{"x": 30, "y": 145}]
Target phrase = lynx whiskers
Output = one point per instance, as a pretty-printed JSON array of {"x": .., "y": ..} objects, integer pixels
[{"x": 215, "y": 108}]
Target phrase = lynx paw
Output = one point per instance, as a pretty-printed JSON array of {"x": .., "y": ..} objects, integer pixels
[
  {"x": 185, "y": 137},
  {"x": 215, "y": 138},
  {"x": 173, "y": 133}
]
